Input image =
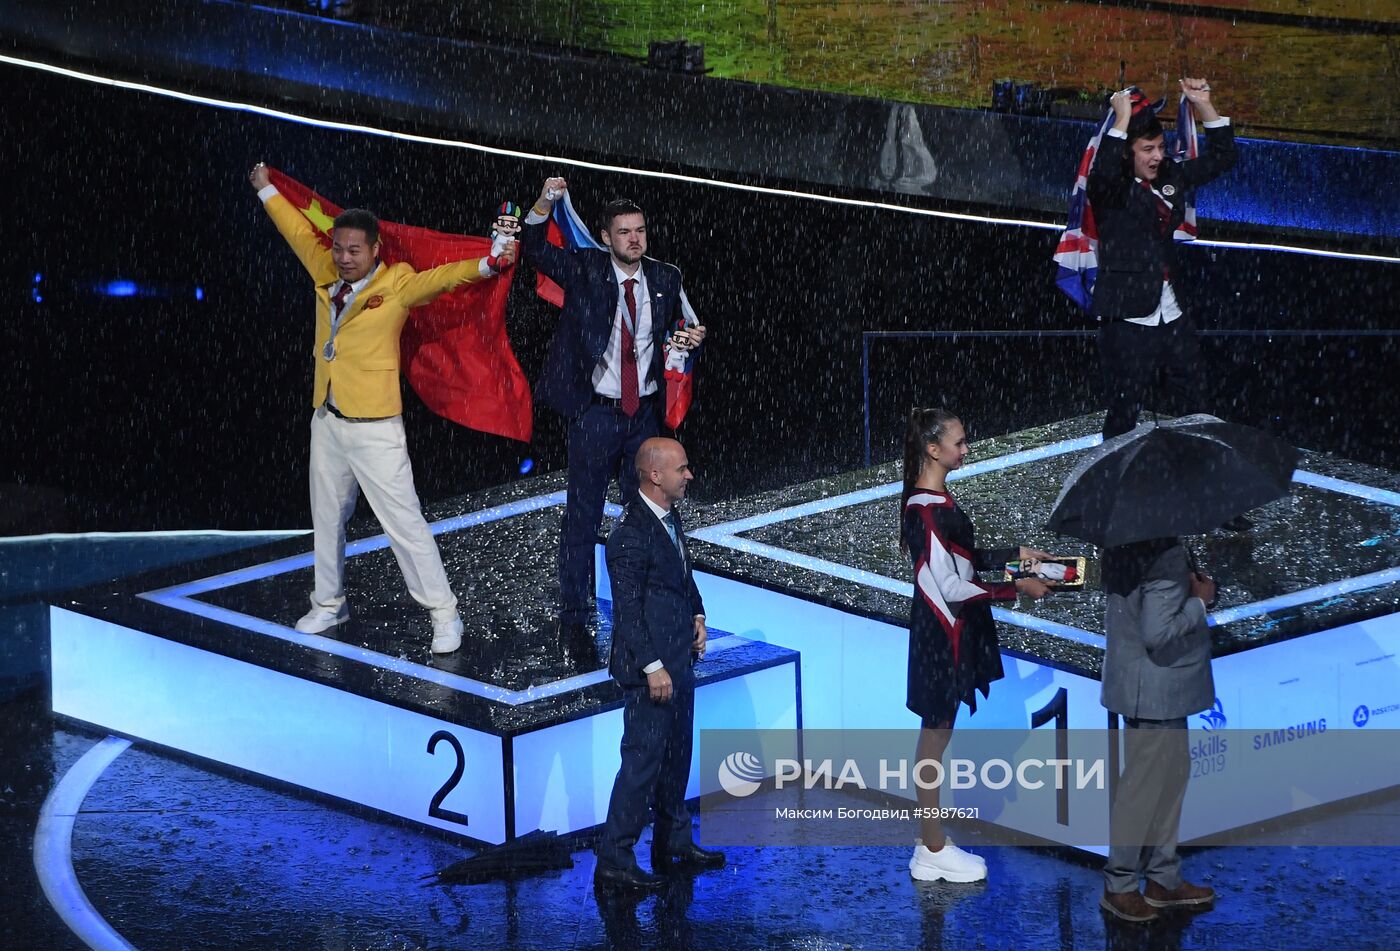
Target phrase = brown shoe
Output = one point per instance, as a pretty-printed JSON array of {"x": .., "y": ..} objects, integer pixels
[
  {"x": 1128, "y": 906},
  {"x": 1184, "y": 894}
]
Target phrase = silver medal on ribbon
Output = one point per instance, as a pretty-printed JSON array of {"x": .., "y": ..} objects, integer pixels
[{"x": 329, "y": 351}]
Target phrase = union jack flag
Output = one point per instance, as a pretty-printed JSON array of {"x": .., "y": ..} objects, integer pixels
[
  {"x": 1077, "y": 255},
  {"x": 1186, "y": 148}
]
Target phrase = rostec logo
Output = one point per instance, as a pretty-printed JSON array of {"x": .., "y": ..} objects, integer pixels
[
  {"x": 740, "y": 774},
  {"x": 1214, "y": 718},
  {"x": 1361, "y": 715}
]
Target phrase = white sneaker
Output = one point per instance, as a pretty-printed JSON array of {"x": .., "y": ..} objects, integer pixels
[
  {"x": 948, "y": 864},
  {"x": 320, "y": 619},
  {"x": 447, "y": 636}
]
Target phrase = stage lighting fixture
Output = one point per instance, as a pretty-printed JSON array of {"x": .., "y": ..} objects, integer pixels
[{"x": 677, "y": 56}]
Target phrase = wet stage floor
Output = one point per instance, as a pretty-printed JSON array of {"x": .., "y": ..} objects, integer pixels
[
  {"x": 177, "y": 857},
  {"x": 178, "y": 854},
  {"x": 1327, "y": 555}
]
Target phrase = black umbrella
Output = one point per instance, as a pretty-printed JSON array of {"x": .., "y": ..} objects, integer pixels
[
  {"x": 1185, "y": 476},
  {"x": 527, "y": 855}
]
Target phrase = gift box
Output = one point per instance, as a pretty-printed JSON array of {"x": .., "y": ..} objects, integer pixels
[{"x": 1065, "y": 573}]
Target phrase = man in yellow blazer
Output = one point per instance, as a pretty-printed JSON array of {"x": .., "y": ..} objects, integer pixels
[{"x": 357, "y": 437}]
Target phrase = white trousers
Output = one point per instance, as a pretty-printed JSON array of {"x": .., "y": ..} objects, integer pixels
[{"x": 371, "y": 456}]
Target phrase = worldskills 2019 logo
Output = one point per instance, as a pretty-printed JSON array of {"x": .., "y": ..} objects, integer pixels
[
  {"x": 740, "y": 774},
  {"x": 1208, "y": 754},
  {"x": 1214, "y": 718}
]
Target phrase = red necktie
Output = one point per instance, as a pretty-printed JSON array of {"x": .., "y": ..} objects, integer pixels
[
  {"x": 1164, "y": 210},
  {"x": 338, "y": 301},
  {"x": 1164, "y": 220},
  {"x": 631, "y": 399}
]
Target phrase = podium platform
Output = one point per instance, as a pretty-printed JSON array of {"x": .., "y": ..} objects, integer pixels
[
  {"x": 807, "y": 597},
  {"x": 514, "y": 732}
]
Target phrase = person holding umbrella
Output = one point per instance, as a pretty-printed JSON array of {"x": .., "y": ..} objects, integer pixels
[
  {"x": 952, "y": 637},
  {"x": 1156, "y": 673},
  {"x": 1135, "y": 495}
]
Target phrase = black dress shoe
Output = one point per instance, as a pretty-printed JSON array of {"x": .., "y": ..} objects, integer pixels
[
  {"x": 614, "y": 876},
  {"x": 1238, "y": 524},
  {"x": 687, "y": 856}
]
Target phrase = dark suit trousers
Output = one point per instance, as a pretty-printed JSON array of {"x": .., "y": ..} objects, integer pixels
[
  {"x": 1148, "y": 365},
  {"x": 656, "y": 747},
  {"x": 603, "y": 443},
  {"x": 1145, "y": 816}
]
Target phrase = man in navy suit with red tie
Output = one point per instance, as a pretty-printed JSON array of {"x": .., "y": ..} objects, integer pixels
[
  {"x": 603, "y": 372},
  {"x": 658, "y": 633}
]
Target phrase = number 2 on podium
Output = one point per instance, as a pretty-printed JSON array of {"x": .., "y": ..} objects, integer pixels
[{"x": 435, "y": 809}]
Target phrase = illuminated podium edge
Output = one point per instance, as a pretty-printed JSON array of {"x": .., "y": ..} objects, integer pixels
[{"x": 477, "y": 784}]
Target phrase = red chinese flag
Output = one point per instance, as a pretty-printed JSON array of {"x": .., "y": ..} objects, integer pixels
[{"x": 454, "y": 350}]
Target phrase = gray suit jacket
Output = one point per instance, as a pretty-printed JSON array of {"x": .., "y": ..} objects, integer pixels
[{"x": 1157, "y": 662}]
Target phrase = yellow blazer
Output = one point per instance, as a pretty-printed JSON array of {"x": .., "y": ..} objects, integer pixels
[{"x": 365, "y": 371}]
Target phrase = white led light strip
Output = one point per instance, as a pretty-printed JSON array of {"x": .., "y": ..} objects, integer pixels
[
  {"x": 53, "y": 848},
  {"x": 646, "y": 173}
]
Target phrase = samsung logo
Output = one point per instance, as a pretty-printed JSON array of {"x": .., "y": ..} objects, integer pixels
[{"x": 1289, "y": 734}]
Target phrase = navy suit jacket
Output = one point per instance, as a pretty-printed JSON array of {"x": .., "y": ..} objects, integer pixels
[
  {"x": 1133, "y": 251},
  {"x": 590, "y": 307},
  {"x": 654, "y": 600}
]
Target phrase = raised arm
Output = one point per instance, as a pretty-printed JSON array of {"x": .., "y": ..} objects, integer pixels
[
  {"x": 555, "y": 263},
  {"x": 424, "y": 286},
  {"x": 294, "y": 227},
  {"x": 1106, "y": 174},
  {"x": 1219, "y": 155}
]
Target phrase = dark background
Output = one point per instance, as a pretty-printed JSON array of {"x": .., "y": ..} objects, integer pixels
[{"x": 143, "y": 412}]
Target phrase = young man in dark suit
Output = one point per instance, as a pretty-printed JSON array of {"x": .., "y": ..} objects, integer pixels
[
  {"x": 603, "y": 371},
  {"x": 1146, "y": 340},
  {"x": 658, "y": 633}
]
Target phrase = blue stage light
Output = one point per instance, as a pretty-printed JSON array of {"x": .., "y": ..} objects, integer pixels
[
  {"x": 258, "y": 719},
  {"x": 1306, "y": 596},
  {"x": 38, "y": 298},
  {"x": 715, "y": 532},
  {"x": 527, "y": 465},
  {"x": 38, "y": 277},
  {"x": 1368, "y": 492},
  {"x": 199, "y": 293},
  {"x": 118, "y": 289}
]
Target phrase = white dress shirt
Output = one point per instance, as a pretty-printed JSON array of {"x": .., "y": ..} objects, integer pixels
[{"x": 607, "y": 375}]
